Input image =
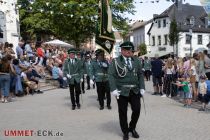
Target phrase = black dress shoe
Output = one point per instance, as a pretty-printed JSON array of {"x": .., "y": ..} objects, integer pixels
[
  {"x": 101, "y": 108},
  {"x": 109, "y": 107},
  {"x": 78, "y": 106},
  {"x": 73, "y": 108},
  {"x": 155, "y": 93},
  {"x": 125, "y": 137},
  {"x": 134, "y": 133},
  {"x": 39, "y": 92}
]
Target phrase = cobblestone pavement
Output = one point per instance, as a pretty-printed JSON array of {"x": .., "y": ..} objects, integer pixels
[{"x": 165, "y": 119}]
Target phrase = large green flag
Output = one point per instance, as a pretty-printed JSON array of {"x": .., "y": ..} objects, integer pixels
[{"x": 104, "y": 33}]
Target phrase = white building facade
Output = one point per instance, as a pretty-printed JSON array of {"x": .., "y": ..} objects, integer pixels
[
  {"x": 158, "y": 36},
  {"x": 194, "y": 33},
  {"x": 139, "y": 32},
  {"x": 9, "y": 22}
]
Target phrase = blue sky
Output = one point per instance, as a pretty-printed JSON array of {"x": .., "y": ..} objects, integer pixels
[{"x": 146, "y": 9}]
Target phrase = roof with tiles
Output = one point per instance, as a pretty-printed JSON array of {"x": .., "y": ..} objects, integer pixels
[{"x": 183, "y": 13}]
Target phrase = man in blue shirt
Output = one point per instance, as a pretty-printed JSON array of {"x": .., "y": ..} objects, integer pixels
[
  {"x": 157, "y": 75},
  {"x": 19, "y": 50}
]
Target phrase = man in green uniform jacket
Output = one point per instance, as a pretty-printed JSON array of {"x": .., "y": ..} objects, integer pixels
[
  {"x": 99, "y": 71},
  {"x": 87, "y": 69},
  {"x": 73, "y": 71},
  {"x": 79, "y": 57},
  {"x": 127, "y": 84}
]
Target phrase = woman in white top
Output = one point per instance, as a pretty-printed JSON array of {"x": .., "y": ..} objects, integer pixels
[{"x": 168, "y": 78}]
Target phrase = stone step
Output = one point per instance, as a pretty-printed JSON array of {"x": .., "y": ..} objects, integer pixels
[
  {"x": 47, "y": 88},
  {"x": 45, "y": 85}
]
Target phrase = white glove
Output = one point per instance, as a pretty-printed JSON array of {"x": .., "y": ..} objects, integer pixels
[
  {"x": 68, "y": 76},
  {"x": 81, "y": 80},
  {"x": 104, "y": 65},
  {"x": 64, "y": 78},
  {"x": 143, "y": 69},
  {"x": 91, "y": 82},
  {"x": 116, "y": 93},
  {"x": 142, "y": 91}
]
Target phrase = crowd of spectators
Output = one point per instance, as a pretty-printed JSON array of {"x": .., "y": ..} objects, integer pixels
[
  {"x": 187, "y": 78},
  {"x": 22, "y": 69}
]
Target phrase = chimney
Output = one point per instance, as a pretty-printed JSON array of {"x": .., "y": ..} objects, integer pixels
[{"x": 155, "y": 15}]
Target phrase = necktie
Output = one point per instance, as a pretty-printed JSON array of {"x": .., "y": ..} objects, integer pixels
[
  {"x": 72, "y": 61},
  {"x": 129, "y": 64}
]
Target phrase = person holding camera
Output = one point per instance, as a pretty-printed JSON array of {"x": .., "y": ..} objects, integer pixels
[
  {"x": 73, "y": 71},
  {"x": 127, "y": 84},
  {"x": 99, "y": 71}
]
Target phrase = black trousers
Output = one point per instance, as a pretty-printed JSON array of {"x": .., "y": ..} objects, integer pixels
[
  {"x": 135, "y": 103},
  {"x": 88, "y": 81},
  {"x": 147, "y": 74},
  {"x": 83, "y": 84},
  {"x": 74, "y": 93},
  {"x": 102, "y": 89},
  {"x": 61, "y": 81}
]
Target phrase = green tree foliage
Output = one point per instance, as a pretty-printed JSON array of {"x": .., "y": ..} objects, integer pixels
[
  {"x": 143, "y": 49},
  {"x": 173, "y": 34},
  {"x": 71, "y": 20}
]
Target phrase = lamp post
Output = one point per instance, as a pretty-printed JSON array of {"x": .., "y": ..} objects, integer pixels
[{"x": 190, "y": 33}]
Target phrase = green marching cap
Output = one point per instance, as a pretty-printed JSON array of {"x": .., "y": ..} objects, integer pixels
[
  {"x": 71, "y": 50},
  {"x": 78, "y": 52},
  {"x": 127, "y": 45}
]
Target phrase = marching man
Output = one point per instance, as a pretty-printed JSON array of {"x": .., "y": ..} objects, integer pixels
[
  {"x": 73, "y": 71},
  {"x": 127, "y": 84},
  {"x": 99, "y": 71}
]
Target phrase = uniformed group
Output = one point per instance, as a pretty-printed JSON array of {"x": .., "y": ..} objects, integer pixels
[{"x": 123, "y": 78}]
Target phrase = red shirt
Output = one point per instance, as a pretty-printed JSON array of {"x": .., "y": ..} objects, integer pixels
[{"x": 40, "y": 52}]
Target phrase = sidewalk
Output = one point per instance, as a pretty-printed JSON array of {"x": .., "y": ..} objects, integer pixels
[{"x": 195, "y": 105}]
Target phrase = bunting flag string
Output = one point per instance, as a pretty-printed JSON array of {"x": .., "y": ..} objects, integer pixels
[{"x": 83, "y": 4}]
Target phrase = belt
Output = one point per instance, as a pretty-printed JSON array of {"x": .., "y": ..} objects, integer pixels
[
  {"x": 129, "y": 86},
  {"x": 104, "y": 74}
]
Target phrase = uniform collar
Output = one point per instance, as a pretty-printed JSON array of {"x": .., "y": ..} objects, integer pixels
[{"x": 125, "y": 58}]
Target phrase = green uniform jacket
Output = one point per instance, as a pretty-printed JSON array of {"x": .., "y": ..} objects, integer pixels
[
  {"x": 99, "y": 72},
  {"x": 131, "y": 80},
  {"x": 147, "y": 65},
  {"x": 88, "y": 68},
  {"x": 75, "y": 70},
  {"x": 82, "y": 63}
]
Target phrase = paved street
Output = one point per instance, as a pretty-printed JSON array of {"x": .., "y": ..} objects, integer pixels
[{"x": 165, "y": 119}]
